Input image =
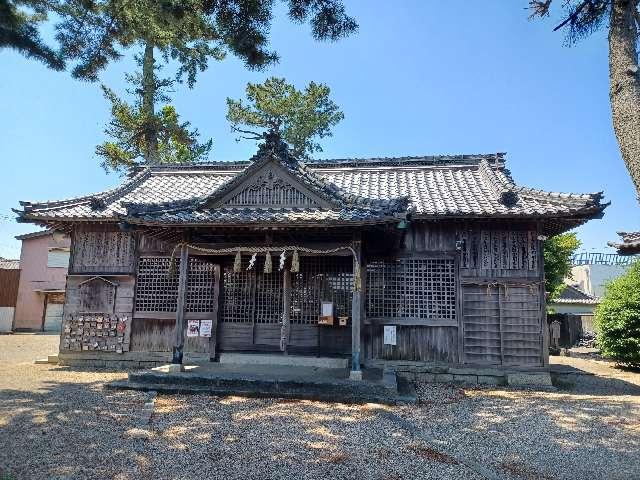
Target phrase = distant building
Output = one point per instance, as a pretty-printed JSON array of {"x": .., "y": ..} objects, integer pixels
[
  {"x": 592, "y": 271},
  {"x": 44, "y": 260},
  {"x": 573, "y": 300},
  {"x": 589, "y": 275},
  {"x": 9, "y": 278}
]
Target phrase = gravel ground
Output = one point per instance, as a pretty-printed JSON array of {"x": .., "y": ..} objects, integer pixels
[{"x": 59, "y": 422}]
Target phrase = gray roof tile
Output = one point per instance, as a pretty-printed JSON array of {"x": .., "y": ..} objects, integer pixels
[{"x": 443, "y": 187}]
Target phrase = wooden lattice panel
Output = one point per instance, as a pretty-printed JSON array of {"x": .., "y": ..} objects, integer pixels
[
  {"x": 321, "y": 279},
  {"x": 268, "y": 295},
  {"x": 200, "y": 286},
  {"x": 157, "y": 286},
  {"x": 237, "y": 295},
  {"x": 417, "y": 289}
]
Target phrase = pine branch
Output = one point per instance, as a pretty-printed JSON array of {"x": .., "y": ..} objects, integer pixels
[{"x": 571, "y": 18}]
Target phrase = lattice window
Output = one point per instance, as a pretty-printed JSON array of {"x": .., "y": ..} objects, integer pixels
[
  {"x": 157, "y": 287},
  {"x": 200, "y": 286},
  {"x": 249, "y": 295},
  {"x": 321, "y": 278},
  {"x": 412, "y": 289},
  {"x": 237, "y": 295}
]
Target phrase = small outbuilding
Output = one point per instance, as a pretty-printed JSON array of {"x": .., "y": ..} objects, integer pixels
[
  {"x": 9, "y": 279},
  {"x": 426, "y": 259},
  {"x": 44, "y": 260}
]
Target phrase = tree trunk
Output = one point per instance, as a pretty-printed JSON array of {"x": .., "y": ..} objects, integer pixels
[
  {"x": 148, "y": 100},
  {"x": 624, "y": 88}
]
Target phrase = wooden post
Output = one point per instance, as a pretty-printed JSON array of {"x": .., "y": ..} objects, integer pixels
[
  {"x": 543, "y": 305},
  {"x": 178, "y": 334},
  {"x": 356, "y": 311},
  {"x": 286, "y": 310},
  {"x": 213, "y": 341}
]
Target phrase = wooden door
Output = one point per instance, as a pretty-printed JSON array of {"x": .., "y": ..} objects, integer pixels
[
  {"x": 502, "y": 324},
  {"x": 53, "y": 317},
  {"x": 251, "y": 309}
]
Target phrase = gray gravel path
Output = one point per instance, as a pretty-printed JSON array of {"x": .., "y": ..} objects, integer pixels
[{"x": 59, "y": 422}]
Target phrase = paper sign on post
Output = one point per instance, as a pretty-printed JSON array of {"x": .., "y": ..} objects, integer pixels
[
  {"x": 193, "y": 327},
  {"x": 205, "y": 328},
  {"x": 389, "y": 334}
]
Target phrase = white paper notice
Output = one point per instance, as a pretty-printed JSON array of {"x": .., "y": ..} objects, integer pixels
[
  {"x": 327, "y": 309},
  {"x": 193, "y": 326},
  {"x": 389, "y": 334},
  {"x": 205, "y": 328}
]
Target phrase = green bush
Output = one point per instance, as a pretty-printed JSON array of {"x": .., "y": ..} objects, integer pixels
[{"x": 618, "y": 319}]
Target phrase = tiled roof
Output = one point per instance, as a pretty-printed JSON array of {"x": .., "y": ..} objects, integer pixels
[
  {"x": 571, "y": 294},
  {"x": 6, "y": 264},
  {"x": 362, "y": 190},
  {"x": 41, "y": 233},
  {"x": 629, "y": 245}
]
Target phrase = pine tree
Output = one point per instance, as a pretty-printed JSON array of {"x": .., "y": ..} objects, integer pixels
[
  {"x": 19, "y": 21},
  {"x": 298, "y": 117},
  {"x": 622, "y": 17},
  {"x": 128, "y": 145},
  {"x": 189, "y": 32}
]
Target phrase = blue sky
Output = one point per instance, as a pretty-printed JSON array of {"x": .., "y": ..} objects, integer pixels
[{"x": 420, "y": 77}]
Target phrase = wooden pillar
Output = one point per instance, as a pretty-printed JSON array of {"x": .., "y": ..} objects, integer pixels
[
  {"x": 213, "y": 341},
  {"x": 356, "y": 313},
  {"x": 178, "y": 334},
  {"x": 286, "y": 310},
  {"x": 543, "y": 304}
]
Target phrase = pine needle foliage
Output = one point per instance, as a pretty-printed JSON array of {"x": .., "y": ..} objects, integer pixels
[
  {"x": 19, "y": 21},
  {"x": 189, "y": 32},
  {"x": 618, "y": 319},
  {"x": 128, "y": 144},
  {"x": 558, "y": 251},
  {"x": 298, "y": 116}
]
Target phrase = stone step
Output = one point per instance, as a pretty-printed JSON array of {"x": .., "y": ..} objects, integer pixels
[
  {"x": 323, "y": 395},
  {"x": 284, "y": 360},
  {"x": 281, "y": 382}
]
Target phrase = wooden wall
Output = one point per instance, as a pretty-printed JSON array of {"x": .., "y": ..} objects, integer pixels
[
  {"x": 102, "y": 249},
  {"x": 500, "y": 310},
  {"x": 116, "y": 302},
  {"x": 9, "y": 280},
  {"x": 499, "y": 294}
]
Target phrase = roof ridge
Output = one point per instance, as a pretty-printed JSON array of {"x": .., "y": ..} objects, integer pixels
[
  {"x": 497, "y": 157},
  {"x": 100, "y": 200}
]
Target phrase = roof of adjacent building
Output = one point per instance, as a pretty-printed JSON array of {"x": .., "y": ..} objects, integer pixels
[
  {"x": 629, "y": 245},
  {"x": 7, "y": 264},
  {"x": 40, "y": 233},
  {"x": 572, "y": 295},
  {"x": 359, "y": 190}
]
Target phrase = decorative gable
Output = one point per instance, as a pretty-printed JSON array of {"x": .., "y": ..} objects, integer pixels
[{"x": 270, "y": 186}]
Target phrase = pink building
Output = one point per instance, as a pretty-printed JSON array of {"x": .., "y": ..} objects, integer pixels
[{"x": 44, "y": 261}]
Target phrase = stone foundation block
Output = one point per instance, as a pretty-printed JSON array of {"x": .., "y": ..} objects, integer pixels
[
  {"x": 529, "y": 380},
  {"x": 443, "y": 378},
  {"x": 466, "y": 379},
  {"x": 491, "y": 380}
]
